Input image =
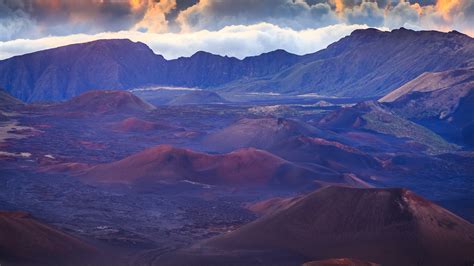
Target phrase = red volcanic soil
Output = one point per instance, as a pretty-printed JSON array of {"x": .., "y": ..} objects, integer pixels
[
  {"x": 246, "y": 167},
  {"x": 25, "y": 241},
  {"x": 330, "y": 154},
  {"x": 64, "y": 167},
  {"x": 386, "y": 226},
  {"x": 340, "y": 262},
  {"x": 91, "y": 145},
  {"x": 133, "y": 124},
  {"x": 104, "y": 102},
  {"x": 271, "y": 205}
]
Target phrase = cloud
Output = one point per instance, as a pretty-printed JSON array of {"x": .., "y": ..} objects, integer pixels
[
  {"x": 215, "y": 14},
  {"x": 154, "y": 19},
  {"x": 39, "y": 18},
  {"x": 14, "y": 21},
  {"x": 238, "y": 41},
  {"x": 441, "y": 15}
]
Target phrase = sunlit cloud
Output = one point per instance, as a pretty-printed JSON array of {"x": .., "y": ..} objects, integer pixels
[
  {"x": 154, "y": 19},
  {"x": 237, "y": 41}
]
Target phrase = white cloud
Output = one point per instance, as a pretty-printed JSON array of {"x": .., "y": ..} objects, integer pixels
[{"x": 238, "y": 41}]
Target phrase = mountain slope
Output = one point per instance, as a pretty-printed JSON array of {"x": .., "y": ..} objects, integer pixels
[
  {"x": 368, "y": 63},
  {"x": 337, "y": 222},
  {"x": 444, "y": 98},
  {"x": 432, "y": 95}
]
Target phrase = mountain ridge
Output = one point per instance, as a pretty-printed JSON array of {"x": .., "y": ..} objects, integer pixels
[{"x": 379, "y": 63}]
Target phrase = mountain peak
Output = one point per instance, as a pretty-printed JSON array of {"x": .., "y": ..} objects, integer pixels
[
  {"x": 203, "y": 54},
  {"x": 365, "y": 32}
]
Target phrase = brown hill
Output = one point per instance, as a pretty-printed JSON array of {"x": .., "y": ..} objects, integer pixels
[
  {"x": 25, "y": 241},
  {"x": 244, "y": 167},
  {"x": 327, "y": 153},
  {"x": 386, "y": 226},
  {"x": 261, "y": 133},
  {"x": 104, "y": 102}
]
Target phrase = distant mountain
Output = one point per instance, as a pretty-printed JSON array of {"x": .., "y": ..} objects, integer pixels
[
  {"x": 65, "y": 72},
  {"x": 368, "y": 63},
  {"x": 337, "y": 222},
  {"x": 206, "y": 70}
]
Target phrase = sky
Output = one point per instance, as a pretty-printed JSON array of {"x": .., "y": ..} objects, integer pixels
[{"x": 237, "y": 28}]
